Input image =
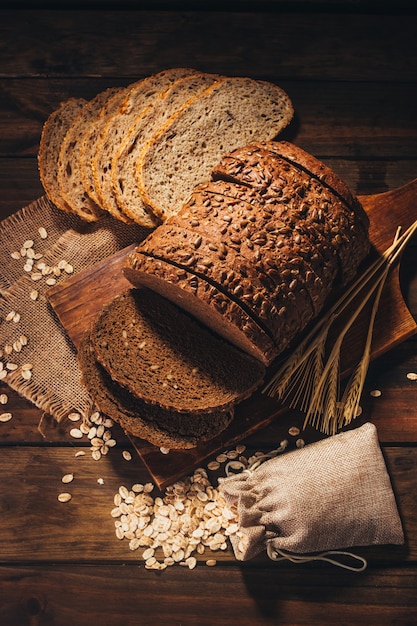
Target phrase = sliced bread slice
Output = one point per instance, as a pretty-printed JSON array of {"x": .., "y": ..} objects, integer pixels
[
  {"x": 230, "y": 113},
  {"x": 91, "y": 140},
  {"x": 147, "y": 123},
  {"x": 147, "y": 421},
  {"x": 53, "y": 133},
  {"x": 137, "y": 98},
  {"x": 167, "y": 358},
  {"x": 69, "y": 178}
]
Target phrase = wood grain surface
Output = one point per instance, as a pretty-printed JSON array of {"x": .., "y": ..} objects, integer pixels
[{"x": 350, "y": 68}]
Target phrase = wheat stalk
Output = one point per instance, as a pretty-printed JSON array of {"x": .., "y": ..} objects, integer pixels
[{"x": 311, "y": 383}]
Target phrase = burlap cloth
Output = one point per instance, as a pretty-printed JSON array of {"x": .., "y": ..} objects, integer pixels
[
  {"x": 329, "y": 495},
  {"x": 55, "y": 385}
]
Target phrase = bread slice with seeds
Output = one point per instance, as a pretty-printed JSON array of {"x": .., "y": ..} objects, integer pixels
[
  {"x": 53, "y": 133},
  {"x": 138, "y": 96},
  {"x": 150, "y": 119},
  {"x": 165, "y": 357},
  {"x": 230, "y": 113},
  {"x": 160, "y": 427},
  {"x": 70, "y": 182}
]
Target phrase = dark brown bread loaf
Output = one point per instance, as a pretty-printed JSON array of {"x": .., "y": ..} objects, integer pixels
[
  {"x": 205, "y": 302},
  {"x": 271, "y": 299},
  {"x": 147, "y": 421},
  {"x": 339, "y": 216},
  {"x": 166, "y": 358},
  {"x": 259, "y": 233},
  {"x": 270, "y": 231}
]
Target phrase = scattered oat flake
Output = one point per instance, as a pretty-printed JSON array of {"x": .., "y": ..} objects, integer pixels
[
  {"x": 42, "y": 232},
  {"x": 211, "y": 562},
  {"x": 15, "y": 255},
  {"x": 10, "y": 316},
  {"x": 375, "y": 393},
  {"x": 164, "y": 450},
  {"x": 28, "y": 243},
  {"x": 64, "y": 497},
  {"x": 74, "y": 417},
  {"x": 76, "y": 433},
  {"x": 5, "y": 417},
  {"x": 34, "y": 294},
  {"x": 126, "y": 455},
  {"x": 412, "y": 376},
  {"x": 67, "y": 478},
  {"x": 3, "y": 398},
  {"x": 100, "y": 481},
  {"x": 26, "y": 374},
  {"x": 80, "y": 453}
]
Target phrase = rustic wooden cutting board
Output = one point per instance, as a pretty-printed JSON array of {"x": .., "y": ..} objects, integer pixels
[{"x": 81, "y": 298}]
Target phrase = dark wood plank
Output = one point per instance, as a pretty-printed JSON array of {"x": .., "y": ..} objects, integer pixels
[
  {"x": 288, "y": 45},
  {"x": 282, "y": 594},
  {"x": 353, "y": 120},
  {"x": 37, "y": 528}
]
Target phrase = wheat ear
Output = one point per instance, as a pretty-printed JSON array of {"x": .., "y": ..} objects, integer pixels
[{"x": 313, "y": 385}]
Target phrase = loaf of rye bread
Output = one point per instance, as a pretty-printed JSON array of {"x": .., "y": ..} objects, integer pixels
[
  {"x": 275, "y": 239},
  {"x": 164, "y": 357},
  {"x": 140, "y": 419}
]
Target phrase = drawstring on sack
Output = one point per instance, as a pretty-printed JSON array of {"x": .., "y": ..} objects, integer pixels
[{"x": 275, "y": 554}]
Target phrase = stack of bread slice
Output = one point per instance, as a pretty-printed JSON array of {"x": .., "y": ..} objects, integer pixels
[
  {"x": 220, "y": 289},
  {"x": 136, "y": 153},
  {"x": 162, "y": 375}
]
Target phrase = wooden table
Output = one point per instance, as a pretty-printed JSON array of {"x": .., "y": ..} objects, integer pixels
[{"x": 352, "y": 75}]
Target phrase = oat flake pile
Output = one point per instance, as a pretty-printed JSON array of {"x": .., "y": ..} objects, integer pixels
[{"x": 40, "y": 246}]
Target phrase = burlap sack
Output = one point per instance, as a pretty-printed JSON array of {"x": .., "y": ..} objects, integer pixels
[
  {"x": 55, "y": 385},
  {"x": 329, "y": 495}
]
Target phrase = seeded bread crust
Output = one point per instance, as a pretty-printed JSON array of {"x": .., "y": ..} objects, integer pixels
[
  {"x": 277, "y": 302},
  {"x": 281, "y": 181},
  {"x": 149, "y": 422},
  {"x": 303, "y": 160},
  {"x": 91, "y": 140},
  {"x": 69, "y": 178},
  {"x": 142, "y": 340},
  {"x": 204, "y": 301},
  {"x": 53, "y": 133},
  {"x": 230, "y": 113},
  {"x": 146, "y": 124},
  {"x": 138, "y": 97},
  {"x": 257, "y": 232}
]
